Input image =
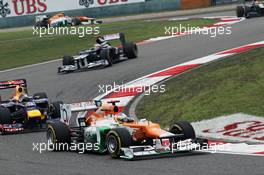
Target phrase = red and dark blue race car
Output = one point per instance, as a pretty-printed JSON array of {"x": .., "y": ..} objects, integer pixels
[{"x": 22, "y": 112}]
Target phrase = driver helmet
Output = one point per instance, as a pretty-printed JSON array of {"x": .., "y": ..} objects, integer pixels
[
  {"x": 100, "y": 40},
  {"x": 19, "y": 92},
  {"x": 121, "y": 118}
]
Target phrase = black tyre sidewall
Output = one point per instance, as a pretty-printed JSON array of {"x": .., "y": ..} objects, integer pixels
[
  {"x": 130, "y": 50},
  {"x": 61, "y": 134},
  {"x": 105, "y": 55},
  {"x": 240, "y": 11},
  {"x": 123, "y": 139},
  {"x": 186, "y": 129},
  {"x": 67, "y": 60},
  {"x": 5, "y": 115}
]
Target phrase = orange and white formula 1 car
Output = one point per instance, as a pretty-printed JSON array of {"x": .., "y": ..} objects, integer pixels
[
  {"x": 62, "y": 20},
  {"x": 102, "y": 124}
]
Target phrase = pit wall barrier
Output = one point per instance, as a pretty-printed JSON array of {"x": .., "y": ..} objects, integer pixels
[
  {"x": 23, "y": 12},
  {"x": 142, "y": 6},
  {"x": 193, "y": 4}
]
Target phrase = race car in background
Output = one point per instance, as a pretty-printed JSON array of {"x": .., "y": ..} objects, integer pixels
[
  {"x": 254, "y": 9},
  {"x": 22, "y": 112},
  {"x": 102, "y": 123},
  {"x": 62, "y": 20},
  {"x": 101, "y": 55}
]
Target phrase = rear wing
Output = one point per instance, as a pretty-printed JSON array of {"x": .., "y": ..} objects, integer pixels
[
  {"x": 13, "y": 83},
  {"x": 116, "y": 36},
  {"x": 78, "y": 109}
]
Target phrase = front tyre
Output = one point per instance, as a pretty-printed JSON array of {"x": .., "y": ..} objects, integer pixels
[
  {"x": 184, "y": 128},
  {"x": 106, "y": 55},
  {"x": 116, "y": 139},
  {"x": 68, "y": 61},
  {"x": 76, "y": 22}
]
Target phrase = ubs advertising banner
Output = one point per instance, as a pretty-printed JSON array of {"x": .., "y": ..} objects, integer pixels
[{"x": 13, "y": 8}]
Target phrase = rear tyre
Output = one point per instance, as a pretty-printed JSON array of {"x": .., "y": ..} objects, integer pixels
[
  {"x": 116, "y": 139},
  {"x": 130, "y": 50},
  {"x": 67, "y": 60},
  {"x": 55, "y": 109},
  {"x": 5, "y": 115},
  {"x": 185, "y": 128},
  {"x": 58, "y": 135},
  {"x": 240, "y": 11},
  {"x": 105, "y": 55}
]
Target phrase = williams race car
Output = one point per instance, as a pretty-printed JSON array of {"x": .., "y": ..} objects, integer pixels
[
  {"x": 254, "y": 9},
  {"x": 25, "y": 113},
  {"x": 111, "y": 131},
  {"x": 61, "y": 20},
  {"x": 102, "y": 55}
]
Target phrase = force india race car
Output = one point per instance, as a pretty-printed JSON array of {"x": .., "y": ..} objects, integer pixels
[
  {"x": 255, "y": 9},
  {"x": 61, "y": 20},
  {"x": 115, "y": 133},
  {"x": 102, "y": 55},
  {"x": 22, "y": 112}
]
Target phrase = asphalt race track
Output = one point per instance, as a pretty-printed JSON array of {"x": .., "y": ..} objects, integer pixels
[{"x": 17, "y": 157}]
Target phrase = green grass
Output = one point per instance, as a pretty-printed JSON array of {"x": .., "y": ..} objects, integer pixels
[
  {"x": 225, "y": 87},
  {"x": 23, "y": 48}
]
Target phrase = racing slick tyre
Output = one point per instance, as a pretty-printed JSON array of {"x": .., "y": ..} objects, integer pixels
[
  {"x": 67, "y": 60},
  {"x": 5, "y": 115},
  {"x": 105, "y": 55},
  {"x": 130, "y": 50},
  {"x": 54, "y": 109},
  {"x": 185, "y": 128},
  {"x": 58, "y": 136},
  {"x": 76, "y": 22},
  {"x": 240, "y": 11},
  {"x": 116, "y": 139},
  {"x": 40, "y": 24}
]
